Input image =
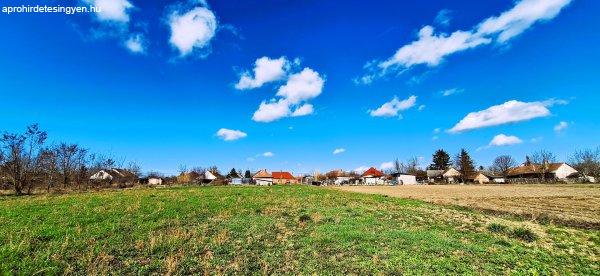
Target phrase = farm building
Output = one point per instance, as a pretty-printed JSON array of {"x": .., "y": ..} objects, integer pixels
[
  {"x": 478, "y": 177},
  {"x": 114, "y": 176},
  {"x": 372, "y": 176},
  {"x": 234, "y": 178},
  {"x": 449, "y": 175},
  {"x": 262, "y": 177},
  {"x": 404, "y": 178},
  {"x": 557, "y": 171},
  {"x": 207, "y": 177},
  {"x": 283, "y": 178}
]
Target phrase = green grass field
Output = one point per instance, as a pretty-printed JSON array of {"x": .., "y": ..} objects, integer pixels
[{"x": 281, "y": 230}]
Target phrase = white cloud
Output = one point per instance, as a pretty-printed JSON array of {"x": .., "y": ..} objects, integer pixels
[
  {"x": 386, "y": 165},
  {"x": 136, "y": 44},
  {"x": 299, "y": 88},
  {"x": 268, "y": 154},
  {"x": 421, "y": 107},
  {"x": 112, "y": 10},
  {"x": 265, "y": 70},
  {"x": 521, "y": 17},
  {"x": 451, "y": 91},
  {"x": 443, "y": 17},
  {"x": 338, "y": 151},
  {"x": 302, "y": 86},
  {"x": 230, "y": 134},
  {"x": 303, "y": 110},
  {"x": 561, "y": 126},
  {"x": 192, "y": 30},
  {"x": 361, "y": 169},
  {"x": 392, "y": 107},
  {"x": 274, "y": 110},
  {"x": 437, "y": 130},
  {"x": 508, "y": 112},
  {"x": 431, "y": 49},
  {"x": 505, "y": 140},
  {"x": 435, "y": 137}
]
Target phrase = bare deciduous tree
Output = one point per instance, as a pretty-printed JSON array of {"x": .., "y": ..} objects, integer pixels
[
  {"x": 587, "y": 162},
  {"x": 502, "y": 164},
  {"x": 21, "y": 157}
]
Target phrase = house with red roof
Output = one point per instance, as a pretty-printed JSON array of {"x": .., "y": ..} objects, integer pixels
[
  {"x": 373, "y": 176},
  {"x": 284, "y": 178}
]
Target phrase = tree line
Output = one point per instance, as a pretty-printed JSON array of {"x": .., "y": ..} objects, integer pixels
[{"x": 28, "y": 162}]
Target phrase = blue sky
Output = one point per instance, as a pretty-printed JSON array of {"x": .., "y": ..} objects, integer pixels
[{"x": 155, "y": 81}]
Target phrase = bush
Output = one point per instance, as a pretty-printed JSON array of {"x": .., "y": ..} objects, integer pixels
[
  {"x": 497, "y": 228},
  {"x": 524, "y": 234}
]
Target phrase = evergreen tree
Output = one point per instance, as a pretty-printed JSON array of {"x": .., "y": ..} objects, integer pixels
[
  {"x": 465, "y": 164},
  {"x": 247, "y": 174},
  {"x": 440, "y": 160},
  {"x": 232, "y": 172}
]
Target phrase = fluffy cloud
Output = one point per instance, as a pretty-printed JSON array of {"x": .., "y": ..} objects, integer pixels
[
  {"x": 521, "y": 17},
  {"x": 230, "y": 134},
  {"x": 268, "y": 154},
  {"x": 112, "y": 10},
  {"x": 508, "y": 112},
  {"x": 303, "y": 110},
  {"x": 192, "y": 30},
  {"x": 392, "y": 107},
  {"x": 274, "y": 110},
  {"x": 505, "y": 140},
  {"x": 561, "y": 126},
  {"x": 136, "y": 44},
  {"x": 387, "y": 165},
  {"x": 302, "y": 86},
  {"x": 430, "y": 48},
  {"x": 299, "y": 88},
  {"x": 338, "y": 151},
  {"x": 265, "y": 70}
]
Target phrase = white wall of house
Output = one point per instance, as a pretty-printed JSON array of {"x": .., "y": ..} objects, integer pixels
[
  {"x": 563, "y": 171},
  {"x": 340, "y": 179},
  {"x": 235, "y": 181},
  {"x": 155, "y": 181},
  {"x": 263, "y": 181},
  {"x": 373, "y": 181},
  {"x": 406, "y": 179}
]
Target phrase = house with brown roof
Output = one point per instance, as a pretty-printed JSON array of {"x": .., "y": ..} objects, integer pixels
[
  {"x": 548, "y": 171},
  {"x": 373, "y": 176},
  {"x": 262, "y": 177},
  {"x": 283, "y": 178}
]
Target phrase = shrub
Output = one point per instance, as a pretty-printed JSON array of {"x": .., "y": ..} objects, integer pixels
[
  {"x": 524, "y": 234},
  {"x": 497, "y": 228}
]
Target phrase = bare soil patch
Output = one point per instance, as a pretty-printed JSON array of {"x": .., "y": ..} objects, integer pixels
[{"x": 569, "y": 204}]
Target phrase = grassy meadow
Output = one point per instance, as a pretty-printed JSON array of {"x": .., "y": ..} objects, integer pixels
[{"x": 276, "y": 230}]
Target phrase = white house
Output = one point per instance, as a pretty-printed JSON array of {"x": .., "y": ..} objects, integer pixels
[
  {"x": 372, "y": 176},
  {"x": 559, "y": 171},
  {"x": 234, "y": 178},
  {"x": 405, "y": 179},
  {"x": 155, "y": 181},
  {"x": 263, "y": 177}
]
